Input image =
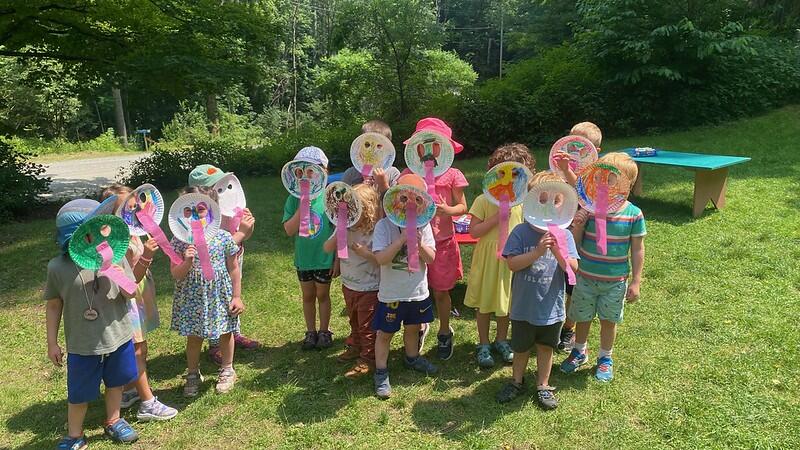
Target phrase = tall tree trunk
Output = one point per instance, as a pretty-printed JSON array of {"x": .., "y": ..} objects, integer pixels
[
  {"x": 119, "y": 116},
  {"x": 212, "y": 113}
]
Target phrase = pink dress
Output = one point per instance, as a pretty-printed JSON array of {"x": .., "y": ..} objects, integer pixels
[{"x": 446, "y": 268}]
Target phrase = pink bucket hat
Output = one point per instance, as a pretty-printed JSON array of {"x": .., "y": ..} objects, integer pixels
[{"x": 437, "y": 126}]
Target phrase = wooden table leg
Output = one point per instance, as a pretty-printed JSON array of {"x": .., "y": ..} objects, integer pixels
[
  {"x": 638, "y": 187},
  {"x": 709, "y": 185}
]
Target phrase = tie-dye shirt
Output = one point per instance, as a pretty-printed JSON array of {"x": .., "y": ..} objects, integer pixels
[{"x": 621, "y": 226}]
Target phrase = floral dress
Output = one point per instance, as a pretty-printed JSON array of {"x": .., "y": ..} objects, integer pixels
[{"x": 201, "y": 307}]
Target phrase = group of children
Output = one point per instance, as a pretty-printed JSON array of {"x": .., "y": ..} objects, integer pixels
[{"x": 526, "y": 290}]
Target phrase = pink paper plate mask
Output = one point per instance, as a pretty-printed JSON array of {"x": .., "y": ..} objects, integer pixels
[
  {"x": 506, "y": 185},
  {"x": 195, "y": 219},
  {"x": 231, "y": 199},
  {"x": 370, "y": 151},
  {"x": 305, "y": 181},
  {"x": 429, "y": 155},
  {"x": 602, "y": 189},
  {"x": 143, "y": 211},
  {"x": 344, "y": 209},
  {"x": 409, "y": 208},
  {"x": 582, "y": 153},
  {"x": 551, "y": 206}
]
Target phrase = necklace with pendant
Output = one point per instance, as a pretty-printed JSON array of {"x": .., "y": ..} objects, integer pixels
[{"x": 90, "y": 313}]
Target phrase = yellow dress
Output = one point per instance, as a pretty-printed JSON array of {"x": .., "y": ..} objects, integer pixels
[{"x": 489, "y": 283}]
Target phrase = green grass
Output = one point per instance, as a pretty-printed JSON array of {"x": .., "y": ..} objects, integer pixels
[
  {"x": 50, "y": 150},
  {"x": 708, "y": 358}
]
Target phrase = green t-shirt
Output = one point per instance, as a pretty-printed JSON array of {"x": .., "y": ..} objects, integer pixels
[
  {"x": 308, "y": 252},
  {"x": 621, "y": 226},
  {"x": 111, "y": 329}
]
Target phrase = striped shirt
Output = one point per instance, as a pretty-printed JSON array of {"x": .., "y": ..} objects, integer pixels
[{"x": 621, "y": 226}]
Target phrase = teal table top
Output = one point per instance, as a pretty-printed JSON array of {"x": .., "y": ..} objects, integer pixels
[{"x": 688, "y": 160}]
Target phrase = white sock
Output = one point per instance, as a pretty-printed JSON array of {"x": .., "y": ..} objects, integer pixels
[
  {"x": 604, "y": 353},
  {"x": 580, "y": 347}
]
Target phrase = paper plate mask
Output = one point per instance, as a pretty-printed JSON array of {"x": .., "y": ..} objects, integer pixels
[
  {"x": 371, "y": 150},
  {"x": 508, "y": 179},
  {"x": 550, "y": 203},
  {"x": 195, "y": 219},
  {"x": 344, "y": 209},
  {"x": 396, "y": 200},
  {"x": 581, "y": 151},
  {"x": 296, "y": 173},
  {"x": 602, "y": 188},
  {"x": 231, "y": 199},
  {"x": 429, "y": 155},
  {"x": 99, "y": 244},
  {"x": 143, "y": 211}
]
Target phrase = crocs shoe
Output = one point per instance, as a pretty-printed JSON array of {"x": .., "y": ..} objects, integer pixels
[
  {"x": 120, "y": 431},
  {"x": 510, "y": 391},
  {"x": 155, "y": 410},
  {"x": 605, "y": 369},
  {"x": 324, "y": 339},
  {"x": 382, "y": 387},
  {"x": 504, "y": 349},
  {"x": 215, "y": 354},
  {"x": 444, "y": 348},
  {"x": 574, "y": 361},
  {"x": 483, "y": 354},
  {"x": 424, "y": 329},
  {"x": 245, "y": 342},
  {"x": 566, "y": 341},
  {"x": 350, "y": 353},
  {"x": 192, "y": 386},
  {"x": 129, "y": 398},
  {"x": 225, "y": 380},
  {"x": 70, "y": 443},
  {"x": 360, "y": 369},
  {"x": 545, "y": 397},
  {"x": 420, "y": 364},
  {"x": 310, "y": 340}
]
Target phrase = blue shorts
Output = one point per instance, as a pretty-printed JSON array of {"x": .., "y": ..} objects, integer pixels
[
  {"x": 388, "y": 316},
  {"x": 84, "y": 373}
]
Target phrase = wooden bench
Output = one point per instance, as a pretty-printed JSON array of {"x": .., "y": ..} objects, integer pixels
[{"x": 710, "y": 174}]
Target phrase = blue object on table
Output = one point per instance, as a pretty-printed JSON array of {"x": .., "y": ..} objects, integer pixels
[{"x": 335, "y": 177}]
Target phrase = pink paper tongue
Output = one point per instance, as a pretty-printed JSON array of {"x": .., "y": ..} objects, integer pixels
[
  {"x": 305, "y": 208},
  {"x": 238, "y": 213},
  {"x": 155, "y": 232},
  {"x": 113, "y": 272},
  {"x": 199, "y": 240},
  {"x": 341, "y": 231},
  {"x": 411, "y": 236},
  {"x": 502, "y": 234},
  {"x": 600, "y": 214},
  {"x": 366, "y": 170},
  {"x": 430, "y": 180},
  {"x": 561, "y": 248}
]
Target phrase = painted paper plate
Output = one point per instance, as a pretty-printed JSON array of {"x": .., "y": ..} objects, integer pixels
[
  {"x": 105, "y": 228},
  {"x": 295, "y": 171},
  {"x": 342, "y": 192},
  {"x": 429, "y": 146},
  {"x": 372, "y": 149},
  {"x": 582, "y": 153},
  {"x": 396, "y": 198},
  {"x": 509, "y": 179},
  {"x": 550, "y": 203},
  {"x": 191, "y": 207},
  {"x": 618, "y": 186},
  {"x": 230, "y": 195},
  {"x": 144, "y": 198}
]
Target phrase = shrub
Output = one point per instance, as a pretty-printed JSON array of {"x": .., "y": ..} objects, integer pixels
[
  {"x": 105, "y": 142},
  {"x": 20, "y": 182}
]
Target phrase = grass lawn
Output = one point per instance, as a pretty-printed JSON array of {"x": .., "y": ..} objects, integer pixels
[{"x": 707, "y": 358}]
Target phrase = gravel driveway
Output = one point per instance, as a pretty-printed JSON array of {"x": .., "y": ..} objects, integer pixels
[{"x": 79, "y": 177}]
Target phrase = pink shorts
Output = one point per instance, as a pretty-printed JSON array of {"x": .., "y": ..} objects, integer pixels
[{"x": 446, "y": 268}]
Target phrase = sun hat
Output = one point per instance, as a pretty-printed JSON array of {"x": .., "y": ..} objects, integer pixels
[
  {"x": 432, "y": 124},
  {"x": 205, "y": 175},
  {"x": 314, "y": 155},
  {"x": 94, "y": 231},
  {"x": 77, "y": 211}
]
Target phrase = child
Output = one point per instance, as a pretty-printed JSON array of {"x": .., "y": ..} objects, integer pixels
[
  {"x": 382, "y": 179},
  {"x": 207, "y": 309},
  {"x": 489, "y": 287},
  {"x": 403, "y": 295},
  {"x": 314, "y": 266},
  {"x": 360, "y": 280},
  {"x": 99, "y": 347},
  {"x": 208, "y": 175},
  {"x": 537, "y": 309},
  {"x": 601, "y": 279},
  {"x": 144, "y": 319},
  {"x": 446, "y": 268}
]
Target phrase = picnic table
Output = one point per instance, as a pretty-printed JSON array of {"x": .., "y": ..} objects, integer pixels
[{"x": 710, "y": 174}]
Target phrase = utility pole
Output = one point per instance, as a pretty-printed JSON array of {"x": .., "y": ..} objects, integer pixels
[
  {"x": 294, "y": 65},
  {"x": 502, "y": 18}
]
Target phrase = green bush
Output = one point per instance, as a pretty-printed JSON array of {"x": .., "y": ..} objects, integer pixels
[
  {"x": 21, "y": 182},
  {"x": 106, "y": 142}
]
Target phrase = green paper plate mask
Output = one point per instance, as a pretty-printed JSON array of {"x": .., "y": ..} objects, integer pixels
[{"x": 95, "y": 231}]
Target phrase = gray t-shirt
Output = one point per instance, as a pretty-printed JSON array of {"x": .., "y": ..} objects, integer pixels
[
  {"x": 537, "y": 292},
  {"x": 359, "y": 274},
  {"x": 111, "y": 329},
  {"x": 353, "y": 177},
  {"x": 397, "y": 283}
]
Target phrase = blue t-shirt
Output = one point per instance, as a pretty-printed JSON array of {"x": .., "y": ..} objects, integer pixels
[{"x": 537, "y": 292}]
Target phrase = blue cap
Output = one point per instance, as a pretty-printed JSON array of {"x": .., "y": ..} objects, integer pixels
[{"x": 77, "y": 211}]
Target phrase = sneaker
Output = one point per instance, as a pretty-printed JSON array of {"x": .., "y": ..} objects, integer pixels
[
  {"x": 361, "y": 368},
  {"x": 420, "y": 364},
  {"x": 424, "y": 329},
  {"x": 225, "y": 380},
  {"x": 192, "y": 386},
  {"x": 350, "y": 353},
  {"x": 310, "y": 340},
  {"x": 566, "y": 341},
  {"x": 605, "y": 369},
  {"x": 129, "y": 398},
  {"x": 155, "y": 410},
  {"x": 574, "y": 361},
  {"x": 70, "y": 443},
  {"x": 504, "y": 349},
  {"x": 324, "y": 339},
  {"x": 483, "y": 354},
  {"x": 444, "y": 348},
  {"x": 382, "y": 387},
  {"x": 215, "y": 354},
  {"x": 245, "y": 342},
  {"x": 510, "y": 391},
  {"x": 545, "y": 397},
  {"x": 120, "y": 431}
]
